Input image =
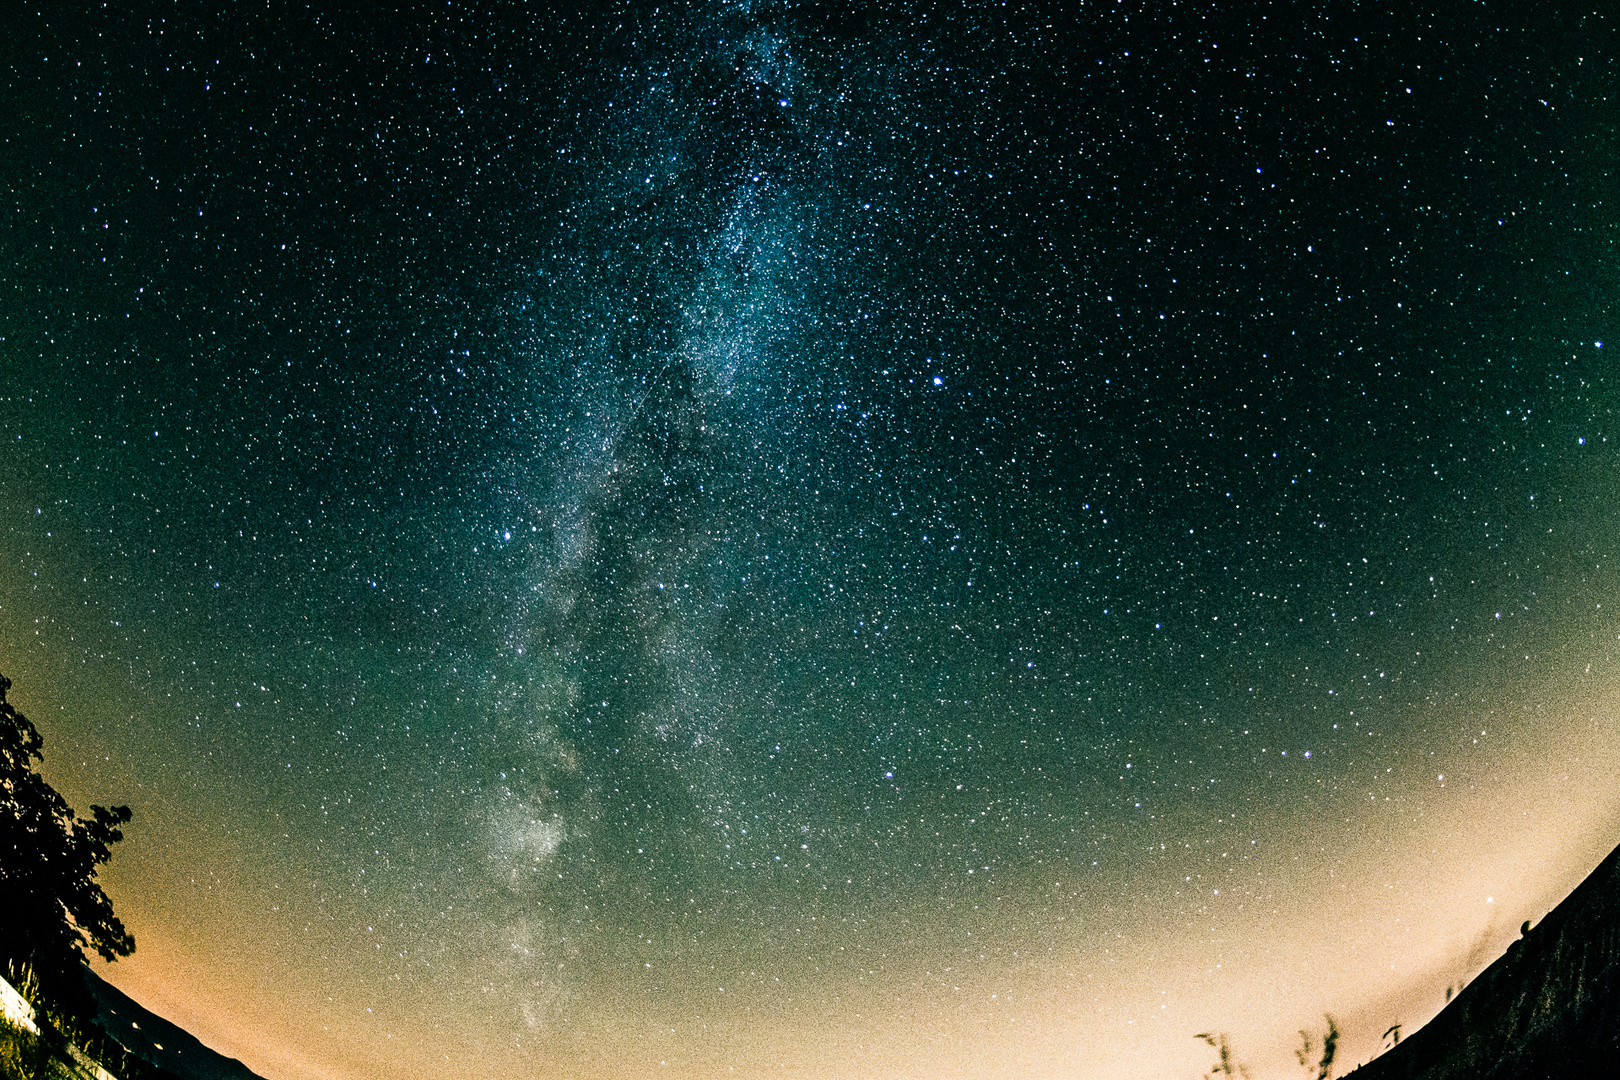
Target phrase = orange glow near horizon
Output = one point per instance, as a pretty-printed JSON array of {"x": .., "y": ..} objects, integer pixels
[{"x": 1082, "y": 989}]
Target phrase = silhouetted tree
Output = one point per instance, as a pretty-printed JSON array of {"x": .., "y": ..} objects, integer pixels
[{"x": 51, "y": 907}]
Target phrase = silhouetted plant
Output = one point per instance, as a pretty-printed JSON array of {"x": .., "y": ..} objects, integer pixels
[
  {"x": 1393, "y": 1035},
  {"x": 1323, "y": 1068},
  {"x": 23, "y": 1054},
  {"x": 46, "y": 1055},
  {"x": 1226, "y": 1066},
  {"x": 1330, "y": 1048}
]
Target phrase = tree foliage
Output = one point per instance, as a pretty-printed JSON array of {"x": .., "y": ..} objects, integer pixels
[{"x": 51, "y": 907}]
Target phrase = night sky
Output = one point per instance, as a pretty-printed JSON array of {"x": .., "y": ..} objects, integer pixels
[{"x": 701, "y": 540}]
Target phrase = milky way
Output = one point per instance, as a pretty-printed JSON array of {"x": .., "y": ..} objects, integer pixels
[{"x": 704, "y": 540}]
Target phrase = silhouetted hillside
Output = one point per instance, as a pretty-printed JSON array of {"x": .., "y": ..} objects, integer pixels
[
  {"x": 1549, "y": 1007},
  {"x": 155, "y": 1040}
]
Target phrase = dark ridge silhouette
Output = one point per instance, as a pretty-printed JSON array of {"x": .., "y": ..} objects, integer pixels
[
  {"x": 1548, "y": 1007},
  {"x": 167, "y": 1047}
]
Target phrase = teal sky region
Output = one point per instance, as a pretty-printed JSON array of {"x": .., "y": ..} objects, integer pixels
[{"x": 706, "y": 539}]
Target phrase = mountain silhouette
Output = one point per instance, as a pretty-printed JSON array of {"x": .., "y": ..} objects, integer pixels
[
  {"x": 156, "y": 1041},
  {"x": 1548, "y": 1007}
]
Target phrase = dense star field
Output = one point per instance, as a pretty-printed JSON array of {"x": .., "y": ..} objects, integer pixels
[{"x": 721, "y": 539}]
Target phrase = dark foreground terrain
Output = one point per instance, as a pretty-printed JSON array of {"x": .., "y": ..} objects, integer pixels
[
  {"x": 1549, "y": 1007},
  {"x": 156, "y": 1041}
]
